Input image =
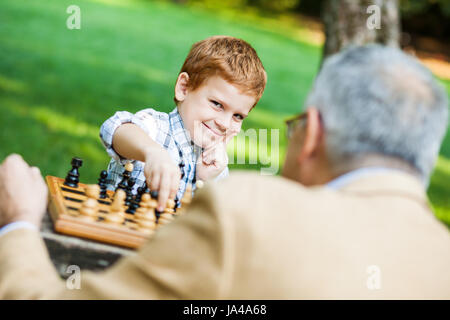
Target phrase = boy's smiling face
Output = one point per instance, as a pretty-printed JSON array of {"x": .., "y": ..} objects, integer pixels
[{"x": 213, "y": 112}]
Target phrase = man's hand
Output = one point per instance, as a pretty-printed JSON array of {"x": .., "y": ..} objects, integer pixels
[
  {"x": 212, "y": 162},
  {"x": 164, "y": 175},
  {"x": 23, "y": 192}
]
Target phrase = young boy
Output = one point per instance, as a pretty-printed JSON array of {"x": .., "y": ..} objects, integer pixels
[{"x": 220, "y": 81}]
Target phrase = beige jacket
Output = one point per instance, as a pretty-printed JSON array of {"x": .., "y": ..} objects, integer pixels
[{"x": 254, "y": 237}]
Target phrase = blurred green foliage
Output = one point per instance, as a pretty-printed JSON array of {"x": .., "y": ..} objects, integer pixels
[
  {"x": 410, "y": 7},
  {"x": 407, "y": 7}
]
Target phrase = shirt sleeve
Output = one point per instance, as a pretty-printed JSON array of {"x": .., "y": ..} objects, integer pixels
[
  {"x": 16, "y": 225},
  {"x": 143, "y": 119}
]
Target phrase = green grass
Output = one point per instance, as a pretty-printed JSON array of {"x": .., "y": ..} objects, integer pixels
[{"x": 57, "y": 85}]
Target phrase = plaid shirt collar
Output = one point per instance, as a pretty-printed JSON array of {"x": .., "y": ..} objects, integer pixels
[{"x": 188, "y": 150}]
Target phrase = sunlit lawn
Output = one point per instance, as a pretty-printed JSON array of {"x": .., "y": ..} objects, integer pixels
[{"x": 57, "y": 85}]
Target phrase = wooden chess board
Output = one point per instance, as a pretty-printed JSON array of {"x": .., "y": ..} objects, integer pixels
[{"x": 64, "y": 205}]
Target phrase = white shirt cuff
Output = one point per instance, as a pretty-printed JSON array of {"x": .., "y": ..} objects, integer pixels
[{"x": 16, "y": 225}]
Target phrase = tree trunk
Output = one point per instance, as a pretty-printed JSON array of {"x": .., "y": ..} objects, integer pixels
[{"x": 354, "y": 22}]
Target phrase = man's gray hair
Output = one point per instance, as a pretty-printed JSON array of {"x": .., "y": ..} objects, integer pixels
[{"x": 379, "y": 100}]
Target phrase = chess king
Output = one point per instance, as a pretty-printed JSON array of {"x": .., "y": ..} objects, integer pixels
[{"x": 219, "y": 83}]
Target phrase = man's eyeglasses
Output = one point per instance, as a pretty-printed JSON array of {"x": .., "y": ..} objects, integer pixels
[{"x": 295, "y": 121}]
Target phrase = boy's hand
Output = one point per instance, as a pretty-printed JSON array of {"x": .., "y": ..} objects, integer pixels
[
  {"x": 162, "y": 173},
  {"x": 213, "y": 161}
]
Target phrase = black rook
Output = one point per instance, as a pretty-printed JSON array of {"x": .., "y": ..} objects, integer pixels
[{"x": 73, "y": 176}]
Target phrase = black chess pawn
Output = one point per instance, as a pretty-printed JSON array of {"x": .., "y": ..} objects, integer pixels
[
  {"x": 128, "y": 191},
  {"x": 145, "y": 187},
  {"x": 140, "y": 192},
  {"x": 158, "y": 214},
  {"x": 125, "y": 176},
  {"x": 102, "y": 184},
  {"x": 154, "y": 194},
  {"x": 135, "y": 203},
  {"x": 73, "y": 176}
]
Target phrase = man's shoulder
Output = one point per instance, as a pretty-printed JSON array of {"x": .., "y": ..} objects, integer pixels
[
  {"x": 250, "y": 192},
  {"x": 255, "y": 183},
  {"x": 240, "y": 180}
]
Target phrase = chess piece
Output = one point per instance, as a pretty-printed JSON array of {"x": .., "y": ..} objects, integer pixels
[
  {"x": 165, "y": 218},
  {"x": 134, "y": 203},
  {"x": 158, "y": 214},
  {"x": 154, "y": 194},
  {"x": 73, "y": 175},
  {"x": 140, "y": 192},
  {"x": 89, "y": 208},
  {"x": 92, "y": 191},
  {"x": 168, "y": 214},
  {"x": 186, "y": 200},
  {"x": 146, "y": 189},
  {"x": 130, "y": 184},
  {"x": 153, "y": 202},
  {"x": 187, "y": 197},
  {"x": 170, "y": 206},
  {"x": 102, "y": 184},
  {"x": 199, "y": 184},
  {"x": 145, "y": 215},
  {"x": 117, "y": 213},
  {"x": 126, "y": 175}
]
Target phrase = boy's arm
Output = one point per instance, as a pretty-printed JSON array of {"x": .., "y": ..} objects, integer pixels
[
  {"x": 127, "y": 136},
  {"x": 131, "y": 142},
  {"x": 109, "y": 127}
]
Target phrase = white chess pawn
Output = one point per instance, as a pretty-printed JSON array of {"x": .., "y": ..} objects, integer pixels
[
  {"x": 165, "y": 218},
  {"x": 89, "y": 208},
  {"x": 185, "y": 200},
  {"x": 199, "y": 184},
  {"x": 145, "y": 215},
  {"x": 93, "y": 191},
  {"x": 117, "y": 213},
  {"x": 129, "y": 166},
  {"x": 170, "y": 205}
]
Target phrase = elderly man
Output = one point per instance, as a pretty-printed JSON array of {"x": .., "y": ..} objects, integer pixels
[{"x": 349, "y": 219}]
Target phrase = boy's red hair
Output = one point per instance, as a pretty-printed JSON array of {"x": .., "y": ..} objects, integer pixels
[{"x": 230, "y": 58}]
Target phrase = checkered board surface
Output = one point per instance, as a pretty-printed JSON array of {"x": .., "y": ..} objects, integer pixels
[{"x": 64, "y": 205}]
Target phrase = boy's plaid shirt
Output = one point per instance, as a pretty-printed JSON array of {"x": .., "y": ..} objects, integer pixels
[{"x": 165, "y": 129}]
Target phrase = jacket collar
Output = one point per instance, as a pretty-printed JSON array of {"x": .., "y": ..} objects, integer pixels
[{"x": 389, "y": 182}]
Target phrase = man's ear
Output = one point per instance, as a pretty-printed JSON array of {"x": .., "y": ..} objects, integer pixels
[
  {"x": 181, "y": 87},
  {"x": 313, "y": 134}
]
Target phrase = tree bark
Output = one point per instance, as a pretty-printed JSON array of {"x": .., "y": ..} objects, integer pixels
[{"x": 346, "y": 23}]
